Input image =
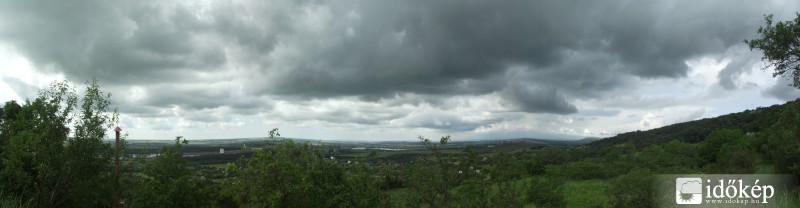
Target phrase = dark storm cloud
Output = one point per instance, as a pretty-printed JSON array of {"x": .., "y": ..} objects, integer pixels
[
  {"x": 378, "y": 49},
  {"x": 127, "y": 42},
  {"x": 192, "y": 98},
  {"x": 782, "y": 90},
  {"x": 191, "y": 101},
  {"x": 573, "y": 51},
  {"x": 535, "y": 99}
]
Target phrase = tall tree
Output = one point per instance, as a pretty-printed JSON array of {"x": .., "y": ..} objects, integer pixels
[
  {"x": 47, "y": 163},
  {"x": 781, "y": 46},
  {"x": 783, "y": 141},
  {"x": 7, "y": 114}
]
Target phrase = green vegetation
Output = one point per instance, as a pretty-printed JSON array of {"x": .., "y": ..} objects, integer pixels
[
  {"x": 294, "y": 175},
  {"x": 588, "y": 193},
  {"x": 45, "y": 164},
  {"x": 781, "y": 47},
  {"x": 167, "y": 181}
]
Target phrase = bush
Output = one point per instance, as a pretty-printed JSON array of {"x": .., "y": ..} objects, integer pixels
[
  {"x": 166, "y": 181},
  {"x": 546, "y": 191},
  {"x": 634, "y": 189},
  {"x": 294, "y": 175}
]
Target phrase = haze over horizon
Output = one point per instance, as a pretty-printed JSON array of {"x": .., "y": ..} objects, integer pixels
[{"x": 392, "y": 70}]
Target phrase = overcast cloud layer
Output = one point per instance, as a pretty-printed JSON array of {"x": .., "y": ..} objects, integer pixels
[{"x": 390, "y": 70}]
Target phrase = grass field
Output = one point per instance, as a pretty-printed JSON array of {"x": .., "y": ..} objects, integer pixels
[{"x": 588, "y": 193}]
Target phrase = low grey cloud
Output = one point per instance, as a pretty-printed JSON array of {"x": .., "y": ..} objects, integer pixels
[
  {"x": 127, "y": 42},
  {"x": 444, "y": 121},
  {"x": 782, "y": 90},
  {"x": 24, "y": 90},
  {"x": 143, "y": 111},
  {"x": 600, "y": 112},
  {"x": 536, "y": 99}
]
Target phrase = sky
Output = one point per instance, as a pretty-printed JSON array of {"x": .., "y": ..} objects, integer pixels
[{"x": 393, "y": 70}]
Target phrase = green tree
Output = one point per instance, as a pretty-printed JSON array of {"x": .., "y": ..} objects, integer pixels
[
  {"x": 167, "y": 181},
  {"x": 8, "y": 114},
  {"x": 682, "y": 154},
  {"x": 711, "y": 146},
  {"x": 783, "y": 140},
  {"x": 48, "y": 164},
  {"x": 735, "y": 158},
  {"x": 546, "y": 191},
  {"x": 295, "y": 175},
  {"x": 505, "y": 170},
  {"x": 780, "y": 44},
  {"x": 473, "y": 185},
  {"x": 430, "y": 180},
  {"x": 634, "y": 189}
]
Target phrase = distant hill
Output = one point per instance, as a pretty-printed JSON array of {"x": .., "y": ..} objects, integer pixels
[
  {"x": 527, "y": 142},
  {"x": 588, "y": 140},
  {"x": 695, "y": 131},
  {"x": 692, "y": 132}
]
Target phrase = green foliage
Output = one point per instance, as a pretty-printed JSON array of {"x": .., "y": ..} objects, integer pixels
[
  {"x": 504, "y": 172},
  {"x": 587, "y": 193},
  {"x": 474, "y": 185},
  {"x": 581, "y": 170},
  {"x": 784, "y": 141},
  {"x": 680, "y": 154},
  {"x": 463, "y": 180},
  {"x": 780, "y": 44},
  {"x": 167, "y": 181},
  {"x": 735, "y": 158},
  {"x": 47, "y": 163},
  {"x": 727, "y": 151},
  {"x": 553, "y": 156},
  {"x": 696, "y": 131},
  {"x": 673, "y": 157},
  {"x": 546, "y": 191},
  {"x": 473, "y": 192},
  {"x": 634, "y": 189},
  {"x": 533, "y": 166},
  {"x": 294, "y": 175},
  {"x": 8, "y": 202},
  {"x": 8, "y": 114},
  {"x": 711, "y": 146},
  {"x": 431, "y": 180}
]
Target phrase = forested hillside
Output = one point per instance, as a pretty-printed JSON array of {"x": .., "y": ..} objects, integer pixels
[{"x": 748, "y": 121}]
